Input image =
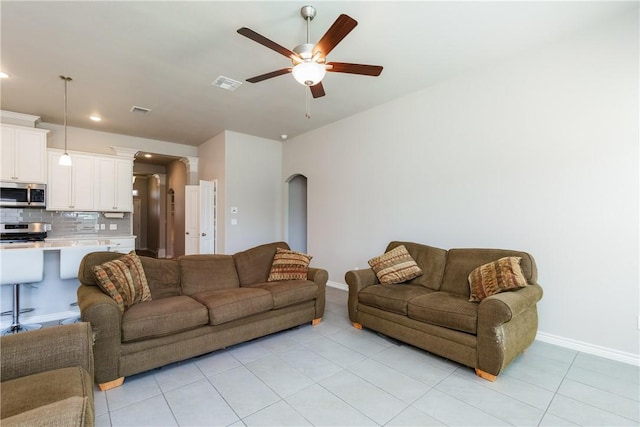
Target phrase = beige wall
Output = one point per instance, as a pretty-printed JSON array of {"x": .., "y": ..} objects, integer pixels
[
  {"x": 537, "y": 153},
  {"x": 248, "y": 171}
]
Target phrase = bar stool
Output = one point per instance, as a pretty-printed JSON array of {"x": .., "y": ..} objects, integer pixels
[
  {"x": 70, "y": 258},
  {"x": 19, "y": 266}
]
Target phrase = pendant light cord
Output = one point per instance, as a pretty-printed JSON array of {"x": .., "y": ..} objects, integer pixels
[{"x": 66, "y": 80}]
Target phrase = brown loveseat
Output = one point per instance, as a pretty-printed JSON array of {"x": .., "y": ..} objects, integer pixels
[
  {"x": 47, "y": 377},
  {"x": 433, "y": 311},
  {"x": 200, "y": 303}
]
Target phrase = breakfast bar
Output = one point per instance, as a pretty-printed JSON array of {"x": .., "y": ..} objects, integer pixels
[{"x": 54, "y": 298}]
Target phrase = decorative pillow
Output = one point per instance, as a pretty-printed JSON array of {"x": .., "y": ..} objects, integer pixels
[
  {"x": 289, "y": 265},
  {"x": 395, "y": 266},
  {"x": 123, "y": 279},
  {"x": 498, "y": 276}
]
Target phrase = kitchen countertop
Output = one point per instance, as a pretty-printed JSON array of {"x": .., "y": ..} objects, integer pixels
[
  {"x": 89, "y": 237},
  {"x": 57, "y": 243}
]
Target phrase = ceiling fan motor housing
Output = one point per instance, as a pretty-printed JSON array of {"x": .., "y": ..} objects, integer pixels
[{"x": 308, "y": 12}]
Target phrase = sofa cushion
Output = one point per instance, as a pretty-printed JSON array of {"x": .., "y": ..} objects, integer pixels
[
  {"x": 124, "y": 280},
  {"x": 231, "y": 304},
  {"x": 163, "y": 276},
  {"x": 26, "y": 393},
  {"x": 494, "y": 277},
  {"x": 70, "y": 412},
  {"x": 461, "y": 262},
  {"x": 446, "y": 310},
  {"x": 431, "y": 261},
  {"x": 254, "y": 265},
  {"x": 395, "y": 266},
  {"x": 163, "y": 316},
  {"x": 392, "y": 298},
  {"x": 200, "y": 273},
  {"x": 290, "y": 292},
  {"x": 289, "y": 265}
]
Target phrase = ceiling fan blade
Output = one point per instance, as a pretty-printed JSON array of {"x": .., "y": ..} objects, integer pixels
[
  {"x": 344, "y": 67},
  {"x": 317, "y": 90},
  {"x": 270, "y": 75},
  {"x": 249, "y": 33},
  {"x": 339, "y": 30}
]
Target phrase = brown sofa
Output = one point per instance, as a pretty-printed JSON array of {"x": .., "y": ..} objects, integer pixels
[
  {"x": 47, "y": 377},
  {"x": 200, "y": 303},
  {"x": 433, "y": 311}
]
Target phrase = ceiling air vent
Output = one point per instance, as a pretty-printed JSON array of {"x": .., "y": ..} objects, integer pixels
[
  {"x": 140, "y": 110},
  {"x": 226, "y": 83}
]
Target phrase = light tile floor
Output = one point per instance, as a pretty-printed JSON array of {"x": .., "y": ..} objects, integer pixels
[{"x": 335, "y": 375}]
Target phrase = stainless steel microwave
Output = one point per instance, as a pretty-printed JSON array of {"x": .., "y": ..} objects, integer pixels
[{"x": 17, "y": 194}]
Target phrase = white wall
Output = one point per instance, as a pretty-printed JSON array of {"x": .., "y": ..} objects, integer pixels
[
  {"x": 248, "y": 170},
  {"x": 539, "y": 153},
  {"x": 254, "y": 186},
  {"x": 212, "y": 165}
]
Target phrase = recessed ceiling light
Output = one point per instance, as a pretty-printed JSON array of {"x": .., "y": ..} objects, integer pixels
[
  {"x": 95, "y": 118},
  {"x": 4, "y": 75}
]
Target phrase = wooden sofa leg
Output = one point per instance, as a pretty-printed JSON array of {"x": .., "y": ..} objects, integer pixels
[
  {"x": 485, "y": 375},
  {"x": 111, "y": 384},
  {"x": 357, "y": 325},
  {"x": 317, "y": 321}
]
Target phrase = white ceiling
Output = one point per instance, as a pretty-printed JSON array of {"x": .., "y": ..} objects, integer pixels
[{"x": 165, "y": 56}]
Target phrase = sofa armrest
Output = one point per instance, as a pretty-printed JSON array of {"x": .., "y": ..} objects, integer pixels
[
  {"x": 47, "y": 349},
  {"x": 103, "y": 313},
  {"x": 320, "y": 277},
  {"x": 501, "y": 308},
  {"x": 357, "y": 280},
  {"x": 507, "y": 325}
]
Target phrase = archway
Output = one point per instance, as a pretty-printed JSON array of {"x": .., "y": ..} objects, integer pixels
[{"x": 297, "y": 210}]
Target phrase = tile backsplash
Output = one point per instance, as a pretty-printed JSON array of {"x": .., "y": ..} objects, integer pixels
[{"x": 69, "y": 224}]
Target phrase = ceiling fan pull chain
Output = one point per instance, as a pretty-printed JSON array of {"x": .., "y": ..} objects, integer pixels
[{"x": 307, "y": 113}]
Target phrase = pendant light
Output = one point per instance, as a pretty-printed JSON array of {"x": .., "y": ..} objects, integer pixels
[{"x": 65, "y": 159}]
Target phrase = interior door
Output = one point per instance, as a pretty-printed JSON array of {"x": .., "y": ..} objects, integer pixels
[
  {"x": 207, "y": 217},
  {"x": 191, "y": 219}
]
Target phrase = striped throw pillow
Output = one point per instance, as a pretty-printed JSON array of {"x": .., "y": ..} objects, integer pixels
[
  {"x": 395, "y": 266},
  {"x": 289, "y": 265},
  {"x": 498, "y": 276},
  {"x": 123, "y": 279}
]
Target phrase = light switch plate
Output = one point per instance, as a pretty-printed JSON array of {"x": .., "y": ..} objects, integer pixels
[
  {"x": 113, "y": 226},
  {"x": 234, "y": 221}
]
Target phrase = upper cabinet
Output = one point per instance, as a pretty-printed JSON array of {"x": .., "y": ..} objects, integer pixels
[
  {"x": 71, "y": 188},
  {"x": 23, "y": 154},
  {"x": 91, "y": 183},
  {"x": 114, "y": 185}
]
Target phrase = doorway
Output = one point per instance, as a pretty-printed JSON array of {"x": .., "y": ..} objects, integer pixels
[
  {"x": 171, "y": 218},
  {"x": 297, "y": 226},
  {"x": 137, "y": 229}
]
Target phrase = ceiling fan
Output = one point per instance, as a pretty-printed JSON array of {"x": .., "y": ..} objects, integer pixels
[{"x": 309, "y": 61}]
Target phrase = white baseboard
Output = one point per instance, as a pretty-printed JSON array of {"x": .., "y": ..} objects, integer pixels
[
  {"x": 596, "y": 350},
  {"x": 337, "y": 285}
]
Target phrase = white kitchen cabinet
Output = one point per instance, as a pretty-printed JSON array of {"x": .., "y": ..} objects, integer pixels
[
  {"x": 123, "y": 245},
  {"x": 114, "y": 184},
  {"x": 71, "y": 188},
  {"x": 23, "y": 154}
]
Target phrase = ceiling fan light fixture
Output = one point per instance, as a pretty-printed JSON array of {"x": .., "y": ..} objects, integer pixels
[{"x": 309, "y": 73}]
